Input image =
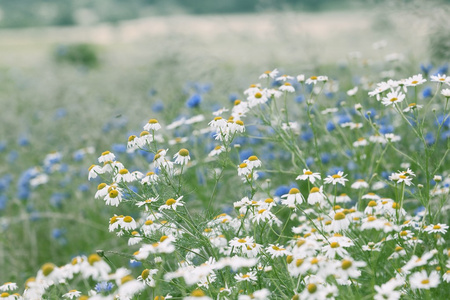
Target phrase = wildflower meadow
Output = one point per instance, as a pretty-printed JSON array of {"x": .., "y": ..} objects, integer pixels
[{"x": 322, "y": 182}]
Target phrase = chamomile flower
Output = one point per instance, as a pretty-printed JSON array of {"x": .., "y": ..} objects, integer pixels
[
  {"x": 244, "y": 169},
  {"x": 284, "y": 78},
  {"x": 440, "y": 78},
  {"x": 353, "y": 91},
  {"x": 152, "y": 124},
  {"x": 333, "y": 249},
  {"x": 361, "y": 142},
  {"x": 343, "y": 198},
  {"x": 412, "y": 107},
  {"x": 269, "y": 74},
  {"x": 172, "y": 204},
  {"x": 287, "y": 87},
  {"x": 124, "y": 176},
  {"x": 114, "y": 196},
  {"x": 106, "y": 156},
  {"x": 336, "y": 178},
  {"x": 216, "y": 151},
  {"x": 8, "y": 286},
  {"x": 316, "y": 195},
  {"x": 135, "y": 239},
  {"x": 339, "y": 222},
  {"x": 446, "y": 92},
  {"x": 308, "y": 175},
  {"x": 94, "y": 170},
  {"x": 277, "y": 251},
  {"x": 127, "y": 223},
  {"x": 292, "y": 198},
  {"x": 415, "y": 80},
  {"x": 249, "y": 277},
  {"x": 182, "y": 157},
  {"x": 264, "y": 215},
  {"x": 312, "y": 80},
  {"x": 72, "y": 294},
  {"x": 360, "y": 184},
  {"x": 393, "y": 98},
  {"x": 438, "y": 228},
  {"x": 349, "y": 268},
  {"x": 150, "y": 178},
  {"x": 253, "y": 162},
  {"x": 421, "y": 280}
]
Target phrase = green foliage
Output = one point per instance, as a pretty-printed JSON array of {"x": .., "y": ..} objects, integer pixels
[{"x": 85, "y": 55}]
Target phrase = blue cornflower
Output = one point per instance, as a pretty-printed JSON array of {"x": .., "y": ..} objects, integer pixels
[
  {"x": 426, "y": 68},
  {"x": 194, "y": 101},
  {"x": 103, "y": 286},
  {"x": 158, "y": 106},
  {"x": 427, "y": 92}
]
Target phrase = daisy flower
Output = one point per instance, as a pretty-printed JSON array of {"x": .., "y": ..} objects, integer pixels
[
  {"x": 440, "y": 78},
  {"x": 343, "y": 198},
  {"x": 114, "y": 196},
  {"x": 244, "y": 169},
  {"x": 260, "y": 97},
  {"x": 182, "y": 157},
  {"x": 308, "y": 175},
  {"x": 253, "y": 162},
  {"x": 438, "y": 228},
  {"x": 106, "y": 156},
  {"x": 349, "y": 268},
  {"x": 277, "y": 251},
  {"x": 353, "y": 91},
  {"x": 292, "y": 198},
  {"x": 412, "y": 107},
  {"x": 127, "y": 223},
  {"x": 313, "y": 291},
  {"x": 172, "y": 204},
  {"x": 339, "y": 222},
  {"x": 393, "y": 97},
  {"x": 284, "y": 78},
  {"x": 336, "y": 178},
  {"x": 147, "y": 277},
  {"x": 300, "y": 78},
  {"x": 249, "y": 277},
  {"x": 94, "y": 170},
  {"x": 421, "y": 280},
  {"x": 333, "y": 249},
  {"x": 8, "y": 286},
  {"x": 446, "y": 276},
  {"x": 446, "y": 92},
  {"x": 287, "y": 87},
  {"x": 72, "y": 294},
  {"x": 149, "y": 178},
  {"x": 361, "y": 142},
  {"x": 124, "y": 175},
  {"x": 264, "y": 215},
  {"x": 415, "y": 80},
  {"x": 387, "y": 290},
  {"x": 269, "y": 74},
  {"x": 360, "y": 184},
  {"x": 152, "y": 124},
  {"x": 216, "y": 151},
  {"x": 316, "y": 195}
]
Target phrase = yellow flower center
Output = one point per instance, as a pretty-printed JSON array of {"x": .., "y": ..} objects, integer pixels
[
  {"x": 253, "y": 158},
  {"x": 436, "y": 227},
  {"x": 237, "y": 102},
  {"x": 315, "y": 190},
  {"x": 101, "y": 186},
  {"x": 163, "y": 238},
  {"x": 197, "y": 293},
  {"x": 372, "y": 204},
  {"x": 183, "y": 152},
  {"x": 240, "y": 123},
  {"x": 398, "y": 249},
  {"x": 47, "y": 269},
  {"x": 113, "y": 194},
  {"x": 258, "y": 95},
  {"x": 328, "y": 222},
  {"x": 91, "y": 167},
  {"x": 393, "y": 99},
  {"x": 131, "y": 138},
  {"x": 371, "y": 219},
  {"x": 4, "y": 295},
  {"x": 339, "y": 216},
  {"x": 126, "y": 279},
  {"x": 414, "y": 82},
  {"x": 287, "y": 84},
  {"x": 294, "y": 191},
  {"x": 171, "y": 202},
  {"x": 300, "y": 242},
  {"x": 314, "y": 261},
  {"x": 93, "y": 258},
  {"x": 261, "y": 211},
  {"x": 346, "y": 264},
  {"x": 159, "y": 298},
  {"x": 145, "y": 274},
  {"x": 289, "y": 259},
  {"x": 128, "y": 219},
  {"x": 152, "y": 121},
  {"x": 242, "y": 241},
  {"x": 123, "y": 172},
  {"x": 313, "y": 77},
  {"x": 336, "y": 176},
  {"x": 268, "y": 200},
  {"x": 105, "y": 153},
  {"x": 404, "y": 233},
  {"x": 425, "y": 281},
  {"x": 334, "y": 245},
  {"x": 299, "y": 262},
  {"x": 312, "y": 288}
]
